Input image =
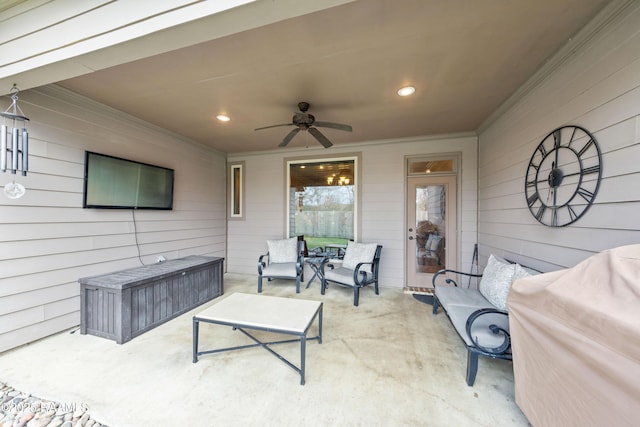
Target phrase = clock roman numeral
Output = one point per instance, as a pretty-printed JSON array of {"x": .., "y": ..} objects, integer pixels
[
  {"x": 554, "y": 217},
  {"x": 542, "y": 150},
  {"x": 572, "y": 135},
  {"x": 586, "y": 194},
  {"x": 540, "y": 212},
  {"x": 572, "y": 213},
  {"x": 532, "y": 199},
  {"x": 557, "y": 136},
  {"x": 585, "y": 148},
  {"x": 591, "y": 169},
  {"x": 533, "y": 165}
]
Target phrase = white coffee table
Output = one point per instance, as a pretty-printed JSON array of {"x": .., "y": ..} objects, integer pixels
[{"x": 263, "y": 313}]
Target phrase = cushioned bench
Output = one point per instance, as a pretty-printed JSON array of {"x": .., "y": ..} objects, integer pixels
[{"x": 479, "y": 314}]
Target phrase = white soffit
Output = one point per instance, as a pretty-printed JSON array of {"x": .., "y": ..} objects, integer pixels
[{"x": 44, "y": 42}]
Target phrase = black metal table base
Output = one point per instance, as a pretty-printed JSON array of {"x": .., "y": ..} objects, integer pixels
[
  {"x": 317, "y": 264},
  {"x": 302, "y": 338}
]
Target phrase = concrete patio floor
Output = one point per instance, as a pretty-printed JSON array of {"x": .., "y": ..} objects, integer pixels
[{"x": 388, "y": 362}]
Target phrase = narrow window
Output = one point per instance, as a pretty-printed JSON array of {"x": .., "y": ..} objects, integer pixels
[{"x": 236, "y": 190}]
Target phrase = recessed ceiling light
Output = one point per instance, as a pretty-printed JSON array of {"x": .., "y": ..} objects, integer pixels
[
  {"x": 223, "y": 118},
  {"x": 406, "y": 90}
]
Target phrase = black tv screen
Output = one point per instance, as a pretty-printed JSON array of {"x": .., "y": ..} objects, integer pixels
[{"x": 115, "y": 183}]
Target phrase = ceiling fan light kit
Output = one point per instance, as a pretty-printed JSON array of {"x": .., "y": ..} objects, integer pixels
[{"x": 307, "y": 122}]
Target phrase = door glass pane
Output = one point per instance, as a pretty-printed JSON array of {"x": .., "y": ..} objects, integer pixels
[
  {"x": 430, "y": 166},
  {"x": 430, "y": 228}
]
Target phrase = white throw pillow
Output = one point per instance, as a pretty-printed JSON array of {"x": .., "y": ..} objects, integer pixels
[
  {"x": 522, "y": 272},
  {"x": 285, "y": 250},
  {"x": 427, "y": 245},
  {"x": 496, "y": 281},
  {"x": 357, "y": 253},
  {"x": 435, "y": 243}
]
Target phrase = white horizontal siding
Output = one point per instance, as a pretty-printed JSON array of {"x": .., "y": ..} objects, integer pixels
[
  {"x": 48, "y": 241},
  {"x": 596, "y": 87},
  {"x": 38, "y": 298},
  {"x": 35, "y": 331}
]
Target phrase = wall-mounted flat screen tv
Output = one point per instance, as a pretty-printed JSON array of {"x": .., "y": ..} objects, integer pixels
[{"x": 115, "y": 183}]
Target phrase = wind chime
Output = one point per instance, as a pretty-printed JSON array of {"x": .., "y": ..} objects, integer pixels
[{"x": 14, "y": 144}]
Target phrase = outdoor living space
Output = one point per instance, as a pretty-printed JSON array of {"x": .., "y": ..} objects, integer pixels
[
  {"x": 388, "y": 362},
  {"x": 136, "y": 135}
]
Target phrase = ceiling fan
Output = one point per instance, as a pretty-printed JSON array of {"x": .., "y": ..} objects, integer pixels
[{"x": 306, "y": 121}]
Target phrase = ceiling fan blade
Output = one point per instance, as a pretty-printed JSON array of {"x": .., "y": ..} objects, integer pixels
[
  {"x": 274, "y": 126},
  {"x": 289, "y": 137},
  {"x": 338, "y": 126},
  {"x": 320, "y": 137}
]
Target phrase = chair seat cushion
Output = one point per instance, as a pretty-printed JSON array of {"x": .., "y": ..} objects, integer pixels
[
  {"x": 283, "y": 269},
  {"x": 340, "y": 275}
]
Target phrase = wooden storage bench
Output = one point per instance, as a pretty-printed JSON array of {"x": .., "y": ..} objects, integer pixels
[{"x": 128, "y": 303}]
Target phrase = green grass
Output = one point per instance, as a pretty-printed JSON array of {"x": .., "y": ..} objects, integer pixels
[{"x": 315, "y": 242}]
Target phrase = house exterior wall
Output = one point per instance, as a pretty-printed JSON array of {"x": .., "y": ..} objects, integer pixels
[
  {"x": 48, "y": 241},
  {"x": 594, "y": 83},
  {"x": 382, "y": 200}
]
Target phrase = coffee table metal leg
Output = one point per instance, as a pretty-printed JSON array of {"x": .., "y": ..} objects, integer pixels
[
  {"x": 196, "y": 325},
  {"x": 320, "y": 324},
  {"x": 303, "y": 351}
]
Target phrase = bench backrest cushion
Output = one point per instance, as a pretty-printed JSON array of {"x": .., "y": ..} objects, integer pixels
[
  {"x": 284, "y": 250},
  {"x": 357, "y": 253},
  {"x": 496, "y": 281},
  {"x": 522, "y": 272},
  {"x": 498, "y": 277}
]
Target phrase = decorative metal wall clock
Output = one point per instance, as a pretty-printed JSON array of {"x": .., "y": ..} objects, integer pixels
[{"x": 563, "y": 176}]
